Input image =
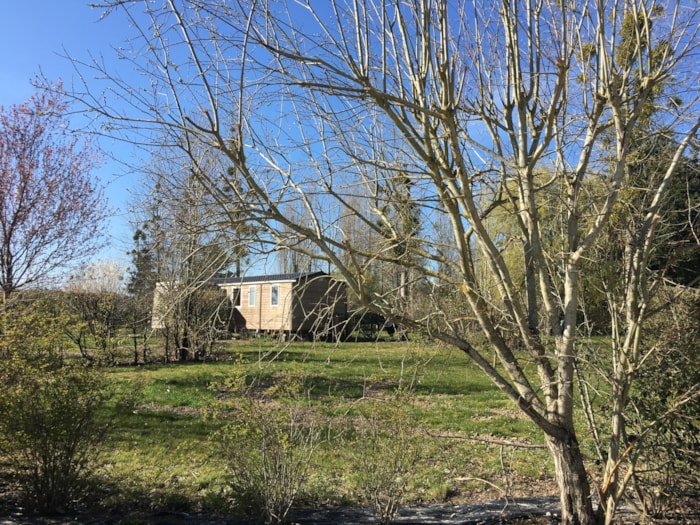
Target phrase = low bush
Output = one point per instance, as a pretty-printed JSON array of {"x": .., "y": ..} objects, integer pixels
[
  {"x": 387, "y": 449},
  {"x": 51, "y": 414},
  {"x": 268, "y": 441},
  {"x": 50, "y": 430}
]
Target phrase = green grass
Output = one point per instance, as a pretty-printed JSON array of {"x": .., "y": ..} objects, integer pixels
[{"x": 162, "y": 453}]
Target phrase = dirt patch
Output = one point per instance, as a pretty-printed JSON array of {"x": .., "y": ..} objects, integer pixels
[
  {"x": 497, "y": 413},
  {"x": 180, "y": 411}
]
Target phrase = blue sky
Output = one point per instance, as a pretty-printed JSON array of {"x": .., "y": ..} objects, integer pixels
[{"x": 34, "y": 36}]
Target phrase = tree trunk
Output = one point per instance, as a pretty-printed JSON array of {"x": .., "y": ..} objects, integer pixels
[
  {"x": 531, "y": 290},
  {"x": 134, "y": 337},
  {"x": 574, "y": 489}
]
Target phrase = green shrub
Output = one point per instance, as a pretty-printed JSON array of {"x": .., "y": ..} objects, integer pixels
[
  {"x": 268, "y": 441},
  {"x": 665, "y": 415},
  {"x": 50, "y": 430}
]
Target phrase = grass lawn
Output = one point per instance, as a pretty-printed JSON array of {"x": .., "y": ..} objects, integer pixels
[{"x": 164, "y": 453}]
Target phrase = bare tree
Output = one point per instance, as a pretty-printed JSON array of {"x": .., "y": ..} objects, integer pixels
[
  {"x": 98, "y": 277},
  {"x": 469, "y": 101},
  {"x": 191, "y": 247},
  {"x": 297, "y": 254}
]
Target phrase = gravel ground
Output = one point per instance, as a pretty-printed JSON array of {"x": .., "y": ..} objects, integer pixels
[{"x": 543, "y": 509}]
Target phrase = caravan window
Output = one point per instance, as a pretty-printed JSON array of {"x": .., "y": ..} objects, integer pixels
[
  {"x": 251, "y": 296},
  {"x": 236, "y": 296}
]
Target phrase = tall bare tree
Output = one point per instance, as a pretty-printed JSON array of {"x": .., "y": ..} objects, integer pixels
[
  {"x": 191, "y": 247},
  {"x": 326, "y": 105},
  {"x": 296, "y": 253}
]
